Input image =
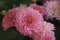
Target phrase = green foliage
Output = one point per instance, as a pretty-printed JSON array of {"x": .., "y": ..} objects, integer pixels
[{"x": 7, "y": 4}]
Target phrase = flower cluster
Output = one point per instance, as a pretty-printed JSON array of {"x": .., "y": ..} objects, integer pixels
[{"x": 29, "y": 20}]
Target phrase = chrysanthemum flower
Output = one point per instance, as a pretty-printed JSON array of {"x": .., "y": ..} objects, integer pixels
[
  {"x": 38, "y": 8},
  {"x": 44, "y": 36},
  {"x": 46, "y": 33},
  {"x": 52, "y": 9},
  {"x": 47, "y": 36},
  {"x": 48, "y": 26},
  {"x": 28, "y": 21},
  {"x": 9, "y": 18}
]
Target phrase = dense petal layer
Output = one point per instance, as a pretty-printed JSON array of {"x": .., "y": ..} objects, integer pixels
[
  {"x": 52, "y": 10},
  {"x": 9, "y": 18},
  {"x": 28, "y": 20},
  {"x": 38, "y": 8}
]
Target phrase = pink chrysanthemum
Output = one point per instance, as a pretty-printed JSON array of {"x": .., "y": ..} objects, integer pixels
[
  {"x": 44, "y": 36},
  {"x": 47, "y": 36},
  {"x": 28, "y": 21},
  {"x": 38, "y": 8},
  {"x": 52, "y": 9},
  {"x": 48, "y": 26},
  {"x": 9, "y": 18},
  {"x": 46, "y": 33}
]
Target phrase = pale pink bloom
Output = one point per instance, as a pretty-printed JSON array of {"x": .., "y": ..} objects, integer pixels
[
  {"x": 48, "y": 26},
  {"x": 52, "y": 9},
  {"x": 46, "y": 33},
  {"x": 47, "y": 36},
  {"x": 28, "y": 21},
  {"x": 44, "y": 36},
  {"x": 38, "y": 8},
  {"x": 48, "y": 0},
  {"x": 9, "y": 18}
]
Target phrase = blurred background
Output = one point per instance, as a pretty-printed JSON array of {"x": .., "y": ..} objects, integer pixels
[{"x": 11, "y": 33}]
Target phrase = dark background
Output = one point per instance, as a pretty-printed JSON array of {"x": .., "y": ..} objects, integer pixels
[{"x": 11, "y": 33}]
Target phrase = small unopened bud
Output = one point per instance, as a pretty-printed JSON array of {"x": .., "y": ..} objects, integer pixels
[
  {"x": 33, "y": 0},
  {"x": 3, "y": 12},
  {"x": 23, "y": 5}
]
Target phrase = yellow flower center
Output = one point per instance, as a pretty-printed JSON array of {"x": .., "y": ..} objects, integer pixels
[
  {"x": 29, "y": 20},
  {"x": 54, "y": 9}
]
